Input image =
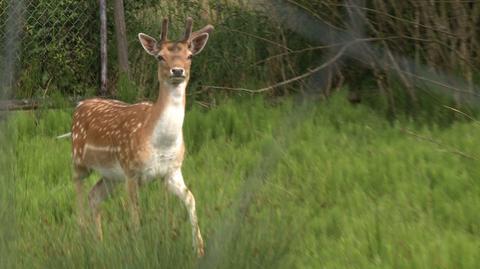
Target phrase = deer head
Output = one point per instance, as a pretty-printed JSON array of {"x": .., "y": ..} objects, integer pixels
[{"x": 174, "y": 57}]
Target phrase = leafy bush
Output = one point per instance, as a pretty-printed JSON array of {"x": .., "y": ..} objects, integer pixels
[{"x": 59, "y": 47}]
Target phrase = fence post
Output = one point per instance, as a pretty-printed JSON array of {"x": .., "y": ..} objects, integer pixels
[{"x": 103, "y": 47}]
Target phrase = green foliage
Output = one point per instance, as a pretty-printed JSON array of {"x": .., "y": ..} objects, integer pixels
[
  {"x": 253, "y": 47},
  {"x": 58, "y": 47},
  {"x": 126, "y": 90},
  {"x": 277, "y": 186}
]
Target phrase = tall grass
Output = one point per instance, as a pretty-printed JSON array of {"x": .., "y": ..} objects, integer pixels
[
  {"x": 283, "y": 185},
  {"x": 7, "y": 218}
]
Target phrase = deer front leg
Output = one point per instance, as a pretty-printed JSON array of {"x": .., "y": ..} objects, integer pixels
[
  {"x": 176, "y": 185},
  {"x": 101, "y": 191},
  {"x": 132, "y": 190}
]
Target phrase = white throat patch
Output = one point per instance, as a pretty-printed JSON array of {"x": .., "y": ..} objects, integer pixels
[
  {"x": 176, "y": 92},
  {"x": 167, "y": 134}
]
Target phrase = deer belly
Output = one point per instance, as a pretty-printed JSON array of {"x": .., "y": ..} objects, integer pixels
[{"x": 114, "y": 172}]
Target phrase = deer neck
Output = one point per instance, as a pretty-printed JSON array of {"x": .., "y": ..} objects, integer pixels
[{"x": 166, "y": 119}]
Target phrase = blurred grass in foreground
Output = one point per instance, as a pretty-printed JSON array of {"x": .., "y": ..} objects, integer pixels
[{"x": 277, "y": 186}]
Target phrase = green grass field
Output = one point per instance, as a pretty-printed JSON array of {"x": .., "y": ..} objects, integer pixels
[{"x": 325, "y": 185}]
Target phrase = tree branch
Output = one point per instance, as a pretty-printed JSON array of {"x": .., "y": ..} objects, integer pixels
[{"x": 288, "y": 81}]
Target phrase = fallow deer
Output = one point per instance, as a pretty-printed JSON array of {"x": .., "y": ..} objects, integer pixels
[{"x": 136, "y": 143}]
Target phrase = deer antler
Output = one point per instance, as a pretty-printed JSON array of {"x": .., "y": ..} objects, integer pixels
[
  {"x": 164, "y": 30},
  {"x": 188, "y": 29}
]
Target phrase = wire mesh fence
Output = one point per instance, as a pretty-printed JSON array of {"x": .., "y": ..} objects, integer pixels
[
  {"x": 54, "y": 20},
  {"x": 56, "y": 41}
]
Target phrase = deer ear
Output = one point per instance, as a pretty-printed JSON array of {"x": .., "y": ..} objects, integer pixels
[
  {"x": 148, "y": 43},
  {"x": 198, "y": 42},
  {"x": 199, "y": 39}
]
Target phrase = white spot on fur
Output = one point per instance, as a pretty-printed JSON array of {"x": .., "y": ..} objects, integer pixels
[{"x": 97, "y": 148}]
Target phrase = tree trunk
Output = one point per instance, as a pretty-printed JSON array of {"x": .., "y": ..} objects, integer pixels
[
  {"x": 120, "y": 32},
  {"x": 103, "y": 47}
]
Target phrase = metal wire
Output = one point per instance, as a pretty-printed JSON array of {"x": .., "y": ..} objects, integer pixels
[
  {"x": 44, "y": 15},
  {"x": 54, "y": 33}
]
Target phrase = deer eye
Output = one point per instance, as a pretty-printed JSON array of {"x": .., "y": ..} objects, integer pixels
[
  {"x": 160, "y": 58},
  {"x": 189, "y": 57}
]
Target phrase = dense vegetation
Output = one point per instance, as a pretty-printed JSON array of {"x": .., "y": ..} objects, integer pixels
[
  {"x": 413, "y": 48},
  {"x": 285, "y": 185}
]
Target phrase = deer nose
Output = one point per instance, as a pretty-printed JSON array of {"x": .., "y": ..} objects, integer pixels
[{"x": 177, "y": 72}]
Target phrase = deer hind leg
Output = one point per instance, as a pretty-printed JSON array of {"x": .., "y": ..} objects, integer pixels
[
  {"x": 176, "y": 185},
  {"x": 132, "y": 190},
  {"x": 79, "y": 174},
  {"x": 101, "y": 191}
]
